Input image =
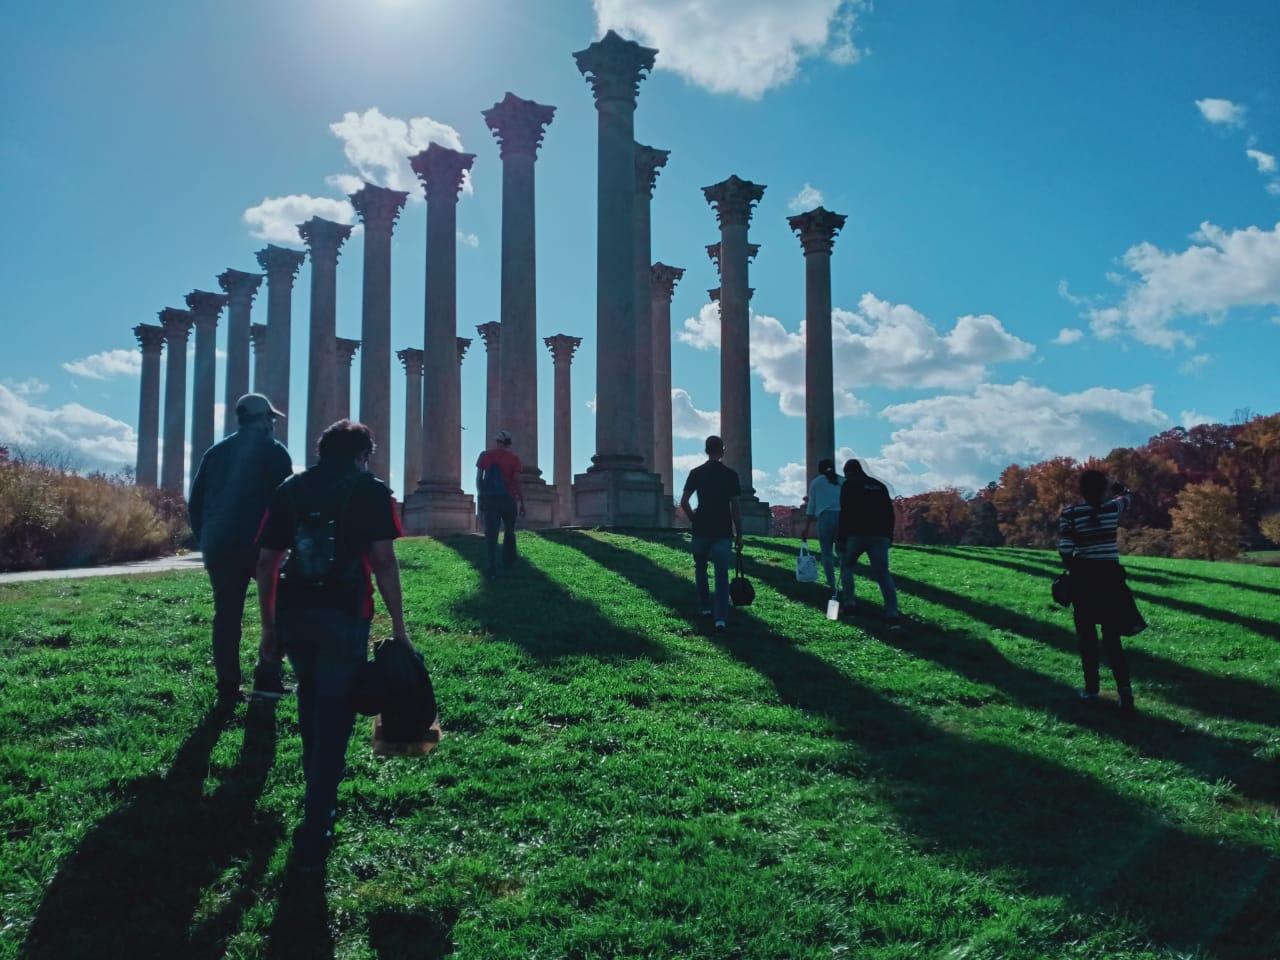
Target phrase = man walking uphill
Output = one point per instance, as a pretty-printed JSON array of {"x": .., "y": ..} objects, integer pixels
[
  {"x": 230, "y": 493},
  {"x": 339, "y": 523},
  {"x": 866, "y": 526},
  {"x": 498, "y": 485},
  {"x": 717, "y": 526}
]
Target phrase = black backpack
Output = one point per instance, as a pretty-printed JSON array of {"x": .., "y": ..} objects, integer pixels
[
  {"x": 741, "y": 592},
  {"x": 313, "y": 560}
]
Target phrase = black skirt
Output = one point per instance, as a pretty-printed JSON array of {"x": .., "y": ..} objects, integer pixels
[{"x": 1101, "y": 595}]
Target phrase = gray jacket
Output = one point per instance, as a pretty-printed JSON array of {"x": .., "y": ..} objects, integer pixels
[{"x": 231, "y": 490}]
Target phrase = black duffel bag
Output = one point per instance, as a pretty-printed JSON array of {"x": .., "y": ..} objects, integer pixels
[
  {"x": 395, "y": 684},
  {"x": 741, "y": 592}
]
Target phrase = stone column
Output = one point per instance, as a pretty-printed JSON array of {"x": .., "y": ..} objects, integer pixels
[
  {"x": 344, "y": 352},
  {"x": 562, "y": 348},
  {"x": 324, "y": 239},
  {"x": 464, "y": 343},
  {"x": 648, "y": 161},
  {"x": 240, "y": 288},
  {"x": 176, "y": 325},
  {"x": 378, "y": 208},
  {"x": 662, "y": 285},
  {"x": 281, "y": 266},
  {"x": 616, "y": 490},
  {"x": 733, "y": 200},
  {"x": 491, "y": 334},
  {"x": 817, "y": 230},
  {"x": 258, "y": 337},
  {"x": 438, "y": 506},
  {"x": 151, "y": 340},
  {"x": 519, "y": 125},
  {"x": 205, "y": 309},
  {"x": 411, "y": 359}
]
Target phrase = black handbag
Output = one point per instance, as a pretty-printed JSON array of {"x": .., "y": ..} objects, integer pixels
[
  {"x": 395, "y": 685},
  {"x": 741, "y": 592},
  {"x": 1061, "y": 589}
]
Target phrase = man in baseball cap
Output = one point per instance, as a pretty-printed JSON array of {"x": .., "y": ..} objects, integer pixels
[
  {"x": 498, "y": 486},
  {"x": 229, "y": 496}
]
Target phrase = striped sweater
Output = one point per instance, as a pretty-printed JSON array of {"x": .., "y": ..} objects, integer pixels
[{"x": 1086, "y": 533}]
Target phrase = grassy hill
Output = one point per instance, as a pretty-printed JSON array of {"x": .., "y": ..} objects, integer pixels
[{"x": 617, "y": 781}]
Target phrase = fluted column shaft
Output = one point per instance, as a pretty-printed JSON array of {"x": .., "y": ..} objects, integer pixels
[
  {"x": 562, "y": 349},
  {"x": 324, "y": 238},
  {"x": 663, "y": 280},
  {"x": 205, "y": 310},
  {"x": 281, "y": 266},
  {"x": 411, "y": 359},
  {"x": 177, "y": 329},
  {"x": 240, "y": 289},
  {"x": 647, "y": 163},
  {"x": 258, "y": 337},
  {"x": 491, "y": 334},
  {"x": 146, "y": 468},
  {"x": 344, "y": 352},
  {"x": 455, "y": 409}
]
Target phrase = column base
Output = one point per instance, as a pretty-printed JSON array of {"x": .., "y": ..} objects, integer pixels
[
  {"x": 432, "y": 511},
  {"x": 541, "y": 505},
  {"x": 756, "y": 519},
  {"x": 619, "y": 498}
]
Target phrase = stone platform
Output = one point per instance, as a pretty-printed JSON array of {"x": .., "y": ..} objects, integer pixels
[
  {"x": 619, "y": 498},
  {"x": 435, "y": 512},
  {"x": 755, "y": 517}
]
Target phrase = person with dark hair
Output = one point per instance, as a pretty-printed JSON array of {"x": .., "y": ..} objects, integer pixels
[
  {"x": 338, "y": 524},
  {"x": 823, "y": 505},
  {"x": 1099, "y": 594},
  {"x": 501, "y": 498},
  {"x": 717, "y": 526},
  {"x": 866, "y": 526},
  {"x": 229, "y": 494}
]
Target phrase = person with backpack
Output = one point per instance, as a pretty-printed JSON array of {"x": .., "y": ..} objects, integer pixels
[
  {"x": 229, "y": 494},
  {"x": 1100, "y": 597},
  {"x": 338, "y": 524},
  {"x": 823, "y": 505},
  {"x": 866, "y": 526},
  {"x": 501, "y": 498},
  {"x": 717, "y": 526}
]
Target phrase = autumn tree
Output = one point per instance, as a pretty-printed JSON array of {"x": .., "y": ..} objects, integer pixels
[{"x": 1206, "y": 522}]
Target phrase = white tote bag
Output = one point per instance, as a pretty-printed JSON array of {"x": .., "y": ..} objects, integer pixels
[{"x": 806, "y": 566}]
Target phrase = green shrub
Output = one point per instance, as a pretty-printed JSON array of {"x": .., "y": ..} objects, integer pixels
[{"x": 1271, "y": 527}]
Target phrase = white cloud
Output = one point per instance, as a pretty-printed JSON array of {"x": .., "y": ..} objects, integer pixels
[
  {"x": 1193, "y": 418},
  {"x": 687, "y": 421},
  {"x": 468, "y": 240},
  {"x": 743, "y": 47},
  {"x": 808, "y": 198},
  {"x": 109, "y": 363},
  {"x": 1266, "y": 162},
  {"x": 787, "y": 485},
  {"x": 1195, "y": 364},
  {"x": 965, "y": 440},
  {"x": 879, "y": 344},
  {"x": 1273, "y": 188},
  {"x": 30, "y": 387},
  {"x": 1221, "y": 270},
  {"x": 379, "y": 147},
  {"x": 1068, "y": 335},
  {"x": 591, "y": 405},
  {"x": 276, "y": 219},
  {"x": 1223, "y": 112},
  {"x": 92, "y": 439}
]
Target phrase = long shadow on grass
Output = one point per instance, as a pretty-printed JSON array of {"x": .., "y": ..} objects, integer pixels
[
  {"x": 1264, "y": 628},
  {"x": 1066, "y": 834},
  {"x": 133, "y": 887},
  {"x": 1205, "y": 692},
  {"x": 300, "y": 930},
  {"x": 527, "y": 608},
  {"x": 970, "y": 656},
  {"x": 412, "y": 935}
]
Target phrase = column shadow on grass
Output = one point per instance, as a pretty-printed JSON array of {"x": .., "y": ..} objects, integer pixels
[
  {"x": 133, "y": 886},
  {"x": 1208, "y": 693},
  {"x": 412, "y": 935},
  {"x": 962, "y": 652},
  {"x": 993, "y": 806}
]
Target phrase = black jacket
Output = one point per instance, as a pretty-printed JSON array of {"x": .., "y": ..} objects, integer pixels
[
  {"x": 866, "y": 509},
  {"x": 231, "y": 490}
]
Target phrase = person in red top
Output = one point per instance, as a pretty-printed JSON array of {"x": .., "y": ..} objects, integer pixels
[
  {"x": 498, "y": 486},
  {"x": 337, "y": 522}
]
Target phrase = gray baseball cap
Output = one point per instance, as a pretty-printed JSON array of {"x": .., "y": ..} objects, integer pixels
[{"x": 255, "y": 405}]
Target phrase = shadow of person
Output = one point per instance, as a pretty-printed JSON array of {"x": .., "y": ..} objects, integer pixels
[
  {"x": 412, "y": 935},
  {"x": 994, "y": 807},
  {"x": 300, "y": 929},
  {"x": 133, "y": 886}
]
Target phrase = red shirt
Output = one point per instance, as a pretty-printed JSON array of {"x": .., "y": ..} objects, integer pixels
[{"x": 508, "y": 464}]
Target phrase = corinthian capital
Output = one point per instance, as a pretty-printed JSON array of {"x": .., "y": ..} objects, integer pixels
[
  {"x": 562, "y": 347},
  {"x": 614, "y": 67},
  {"x": 324, "y": 238},
  {"x": 663, "y": 279},
  {"x": 733, "y": 199},
  {"x": 205, "y": 307},
  {"x": 648, "y": 161},
  {"x": 176, "y": 325},
  {"x": 150, "y": 337},
  {"x": 258, "y": 335},
  {"x": 378, "y": 207},
  {"x": 413, "y": 360},
  {"x": 240, "y": 287},
  {"x": 490, "y": 333},
  {"x": 518, "y": 125},
  {"x": 440, "y": 170},
  {"x": 280, "y": 263},
  {"x": 463, "y": 344},
  {"x": 713, "y": 251},
  {"x": 817, "y": 229},
  {"x": 345, "y": 349}
]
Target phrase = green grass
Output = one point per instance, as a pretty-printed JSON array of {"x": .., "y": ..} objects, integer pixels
[{"x": 616, "y": 781}]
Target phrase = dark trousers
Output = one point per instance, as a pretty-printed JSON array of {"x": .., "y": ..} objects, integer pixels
[
  {"x": 229, "y": 577},
  {"x": 500, "y": 512},
  {"x": 1087, "y": 633},
  {"x": 327, "y": 649}
]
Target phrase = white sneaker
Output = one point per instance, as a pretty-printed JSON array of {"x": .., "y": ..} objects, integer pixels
[
  {"x": 705, "y": 612},
  {"x": 720, "y": 624}
]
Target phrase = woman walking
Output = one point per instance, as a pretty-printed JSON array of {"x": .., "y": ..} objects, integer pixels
[
  {"x": 1099, "y": 594},
  {"x": 824, "y": 506}
]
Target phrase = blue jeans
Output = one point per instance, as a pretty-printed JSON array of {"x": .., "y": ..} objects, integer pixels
[
  {"x": 500, "y": 511},
  {"x": 828, "y": 523},
  {"x": 877, "y": 551},
  {"x": 327, "y": 649},
  {"x": 718, "y": 550}
]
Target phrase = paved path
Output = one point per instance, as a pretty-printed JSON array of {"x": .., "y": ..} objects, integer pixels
[{"x": 185, "y": 561}]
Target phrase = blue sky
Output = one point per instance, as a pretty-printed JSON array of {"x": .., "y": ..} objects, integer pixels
[{"x": 1063, "y": 235}]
